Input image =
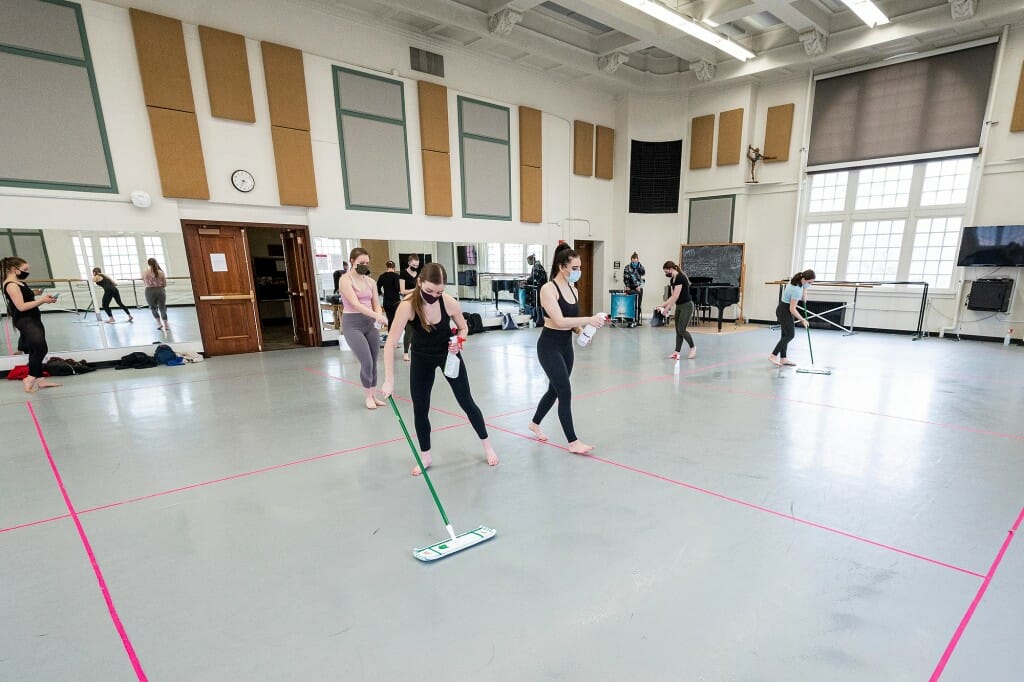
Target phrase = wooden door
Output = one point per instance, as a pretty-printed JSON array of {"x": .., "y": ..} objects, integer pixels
[
  {"x": 218, "y": 258},
  {"x": 298, "y": 260},
  {"x": 585, "y": 249}
]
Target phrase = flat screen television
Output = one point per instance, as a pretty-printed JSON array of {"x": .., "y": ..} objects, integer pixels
[
  {"x": 987, "y": 245},
  {"x": 466, "y": 254}
]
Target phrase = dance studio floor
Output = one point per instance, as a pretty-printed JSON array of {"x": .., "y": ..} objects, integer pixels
[{"x": 248, "y": 519}]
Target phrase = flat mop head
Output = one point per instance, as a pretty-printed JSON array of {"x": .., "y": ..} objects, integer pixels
[
  {"x": 813, "y": 370},
  {"x": 440, "y": 550}
]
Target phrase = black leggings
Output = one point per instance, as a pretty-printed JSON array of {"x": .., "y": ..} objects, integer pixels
[
  {"x": 33, "y": 340},
  {"x": 554, "y": 350},
  {"x": 785, "y": 319},
  {"x": 113, "y": 295},
  {"x": 389, "y": 310},
  {"x": 684, "y": 312},
  {"x": 422, "y": 369}
]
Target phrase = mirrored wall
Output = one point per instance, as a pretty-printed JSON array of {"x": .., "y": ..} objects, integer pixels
[{"x": 61, "y": 262}]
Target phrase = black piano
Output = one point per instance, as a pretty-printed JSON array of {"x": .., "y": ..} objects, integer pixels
[{"x": 707, "y": 294}]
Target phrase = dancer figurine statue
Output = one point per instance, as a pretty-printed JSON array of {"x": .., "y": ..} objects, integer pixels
[{"x": 754, "y": 155}]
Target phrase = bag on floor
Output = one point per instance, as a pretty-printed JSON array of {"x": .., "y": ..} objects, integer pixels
[
  {"x": 59, "y": 367},
  {"x": 165, "y": 355},
  {"x": 509, "y": 322},
  {"x": 475, "y": 323}
]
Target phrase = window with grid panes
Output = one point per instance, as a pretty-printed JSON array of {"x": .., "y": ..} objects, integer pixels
[
  {"x": 154, "y": 248},
  {"x": 946, "y": 182},
  {"x": 885, "y": 187},
  {"x": 120, "y": 257},
  {"x": 821, "y": 249},
  {"x": 334, "y": 249},
  {"x": 874, "y": 250},
  {"x": 514, "y": 260},
  {"x": 85, "y": 262},
  {"x": 494, "y": 257},
  {"x": 828, "y": 192},
  {"x": 934, "y": 254}
]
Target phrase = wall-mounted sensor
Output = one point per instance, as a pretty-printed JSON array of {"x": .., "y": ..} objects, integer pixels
[{"x": 141, "y": 199}]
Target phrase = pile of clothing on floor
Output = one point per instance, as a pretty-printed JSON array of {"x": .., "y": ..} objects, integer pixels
[{"x": 54, "y": 367}]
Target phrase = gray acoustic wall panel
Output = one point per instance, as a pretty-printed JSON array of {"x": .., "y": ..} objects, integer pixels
[
  {"x": 479, "y": 119},
  {"x": 40, "y": 26},
  {"x": 48, "y": 126},
  {"x": 376, "y": 167},
  {"x": 369, "y": 95},
  {"x": 711, "y": 220},
  {"x": 487, "y": 178}
]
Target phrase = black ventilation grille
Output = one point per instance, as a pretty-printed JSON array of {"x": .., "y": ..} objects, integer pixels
[
  {"x": 654, "y": 169},
  {"x": 426, "y": 62}
]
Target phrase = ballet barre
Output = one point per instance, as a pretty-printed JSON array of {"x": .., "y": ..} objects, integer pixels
[{"x": 856, "y": 286}]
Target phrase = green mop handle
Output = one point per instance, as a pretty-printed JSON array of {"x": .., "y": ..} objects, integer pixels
[
  {"x": 809, "y": 346},
  {"x": 416, "y": 454}
]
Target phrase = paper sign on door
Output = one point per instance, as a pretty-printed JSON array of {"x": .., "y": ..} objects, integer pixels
[{"x": 218, "y": 262}]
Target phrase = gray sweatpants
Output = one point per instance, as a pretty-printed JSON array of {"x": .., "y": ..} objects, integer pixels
[
  {"x": 364, "y": 340},
  {"x": 156, "y": 299}
]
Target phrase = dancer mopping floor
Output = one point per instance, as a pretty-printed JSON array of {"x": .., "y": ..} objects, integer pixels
[{"x": 787, "y": 311}]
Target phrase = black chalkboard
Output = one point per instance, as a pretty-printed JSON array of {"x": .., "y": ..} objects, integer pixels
[{"x": 722, "y": 262}]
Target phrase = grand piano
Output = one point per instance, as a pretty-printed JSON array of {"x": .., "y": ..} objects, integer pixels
[{"x": 708, "y": 294}]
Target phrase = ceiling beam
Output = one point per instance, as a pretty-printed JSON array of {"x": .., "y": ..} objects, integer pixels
[
  {"x": 518, "y": 5},
  {"x": 717, "y": 12},
  {"x": 795, "y": 18}
]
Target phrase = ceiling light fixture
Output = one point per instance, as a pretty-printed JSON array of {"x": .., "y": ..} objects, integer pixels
[
  {"x": 868, "y": 12},
  {"x": 691, "y": 27}
]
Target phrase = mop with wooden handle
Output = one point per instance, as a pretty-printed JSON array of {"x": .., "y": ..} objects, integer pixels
[
  {"x": 812, "y": 369},
  {"x": 454, "y": 543}
]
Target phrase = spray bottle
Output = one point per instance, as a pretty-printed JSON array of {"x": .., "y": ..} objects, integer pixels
[
  {"x": 1009, "y": 337},
  {"x": 452, "y": 364},
  {"x": 587, "y": 335}
]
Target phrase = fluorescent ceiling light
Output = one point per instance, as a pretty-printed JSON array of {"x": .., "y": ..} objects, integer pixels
[
  {"x": 868, "y": 12},
  {"x": 691, "y": 27}
]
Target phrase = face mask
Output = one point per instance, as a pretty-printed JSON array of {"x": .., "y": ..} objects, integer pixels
[
  {"x": 363, "y": 269},
  {"x": 429, "y": 298},
  {"x": 669, "y": 275},
  {"x": 22, "y": 275},
  {"x": 414, "y": 267},
  {"x": 574, "y": 276}
]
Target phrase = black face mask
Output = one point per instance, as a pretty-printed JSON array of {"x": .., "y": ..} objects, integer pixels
[
  {"x": 363, "y": 269},
  {"x": 414, "y": 268},
  {"x": 22, "y": 275},
  {"x": 429, "y": 298},
  {"x": 669, "y": 275}
]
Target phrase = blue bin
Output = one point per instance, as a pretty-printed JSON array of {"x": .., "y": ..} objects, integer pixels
[{"x": 623, "y": 307}]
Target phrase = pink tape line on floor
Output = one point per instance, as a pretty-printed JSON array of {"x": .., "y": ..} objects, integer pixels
[
  {"x": 750, "y": 505},
  {"x": 951, "y": 647},
  {"x": 129, "y": 649}
]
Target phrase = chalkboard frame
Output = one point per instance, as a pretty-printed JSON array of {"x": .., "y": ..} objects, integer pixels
[{"x": 743, "y": 267}]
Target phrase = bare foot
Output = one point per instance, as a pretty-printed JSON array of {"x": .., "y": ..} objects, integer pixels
[
  {"x": 371, "y": 404},
  {"x": 673, "y": 356},
  {"x": 43, "y": 383},
  {"x": 427, "y": 461},
  {"x": 578, "y": 447},
  {"x": 30, "y": 384},
  {"x": 693, "y": 353},
  {"x": 775, "y": 361},
  {"x": 537, "y": 432},
  {"x": 110, "y": 321},
  {"x": 379, "y": 402},
  {"x": 405, "y": 357},
  {"x": 492, "y": 456},
  {"x": 787, "y": 361}
]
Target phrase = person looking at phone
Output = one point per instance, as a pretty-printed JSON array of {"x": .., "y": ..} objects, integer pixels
[{"x": 23, "y": 307}]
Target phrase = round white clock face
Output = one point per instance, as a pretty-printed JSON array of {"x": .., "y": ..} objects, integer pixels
[{"x": 243, "y": 180}]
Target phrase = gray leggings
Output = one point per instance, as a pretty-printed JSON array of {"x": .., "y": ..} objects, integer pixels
[
  {"x": 684, "y": 311},
  {"x": 156, "y": 299},
  {"x": 364, "y": 340}
]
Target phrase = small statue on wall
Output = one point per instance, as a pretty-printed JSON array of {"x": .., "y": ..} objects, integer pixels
[{"x": 754, "y": 155}]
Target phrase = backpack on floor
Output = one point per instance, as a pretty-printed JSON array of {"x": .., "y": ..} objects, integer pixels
[
  {"x": 475, "y": 323},
  {"x": 509, "y": 322}
]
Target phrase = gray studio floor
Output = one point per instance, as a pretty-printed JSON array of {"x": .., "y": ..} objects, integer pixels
[{"x": 252, "y": 521}]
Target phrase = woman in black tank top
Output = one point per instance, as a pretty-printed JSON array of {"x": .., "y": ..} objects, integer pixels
[
  {"x": 23, "y": 307},
  {"x": 560, "y": 301},
  {"x": 428, "y": 315},
  {"x": 110, "y": 293}
]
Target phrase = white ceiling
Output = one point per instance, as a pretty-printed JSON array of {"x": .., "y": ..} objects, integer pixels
[{"x": 568, "y": 38}]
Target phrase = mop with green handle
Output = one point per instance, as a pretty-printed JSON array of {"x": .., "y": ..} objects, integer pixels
[
  {"x": 812, "y": 369},
  {"x": 455, "y": 543}
]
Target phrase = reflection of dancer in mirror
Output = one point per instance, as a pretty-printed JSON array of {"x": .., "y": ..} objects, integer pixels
[
  {"x": 428, "y": 314},
  {"x": 156, "y": 292},
  {"x": 554, "y": 347},
  {"x": 110, "y": 293},
  {"x": 754, "y": 155},
  {"x": 23, "y": 307},
  {"x": 408, "y": 285},
  {"x": 361, "y": 321},
  {"x": 786, "y": 312}
]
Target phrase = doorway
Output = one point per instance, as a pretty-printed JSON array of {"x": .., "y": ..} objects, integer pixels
[
  {"x": 585, "y": 250},
  {"x": 254, "y": 286}
]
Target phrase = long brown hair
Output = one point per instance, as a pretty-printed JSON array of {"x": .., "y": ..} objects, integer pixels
[
  {"x": 356, "y": 253},
  {"x": 806, "y": 274},
  {"x": 11, "y": 262},
  {"x": 563, "y": 254},
  {"x": 434, "y": 273}
]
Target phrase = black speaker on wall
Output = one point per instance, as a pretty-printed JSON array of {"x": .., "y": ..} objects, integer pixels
[
  {"x": 992, "y": 295},
  {"x": 654, "y": 170}
]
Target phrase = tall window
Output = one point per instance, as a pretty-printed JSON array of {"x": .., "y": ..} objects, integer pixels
[
  {"x": 510, "y": 259},
  {"x": 888, "y": 223},
  {"x": 333, "y": 249},
  {"x": 83, "y": 256},
  {"x": 154, "y": 248},
  {"x": 120, "y": 257}
]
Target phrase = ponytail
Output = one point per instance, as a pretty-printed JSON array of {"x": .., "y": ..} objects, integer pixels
[
  {"x": 806, "y": 274},
  {"x": 11, "y": 262},
  {"x": 563, "y": 254}
]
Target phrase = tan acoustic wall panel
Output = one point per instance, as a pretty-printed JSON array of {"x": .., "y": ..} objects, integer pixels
[
  {"x": 179, "y": 153},
  {"x": 530, "y": 138},
  {"x": 702, "y": 141},
  {"x": 730, "y": 135},
  {"x": 583, "y": 148},
  {"x": 437, "y": 183},
  {"x": 160, "y": 48},
  {"x": 777, "y": 133},
  {"x": 1017, "y": 123},
  {"x": 286, "y": 86},
  {"x": 531, "y": 194},
  {"x": 293, "y": 156},
  {"x": 605, "y": 153},
  {"x": 227, "y": 75},
  {"x": 433, "y": 117},
  {"x": 379, "y": 251}
]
